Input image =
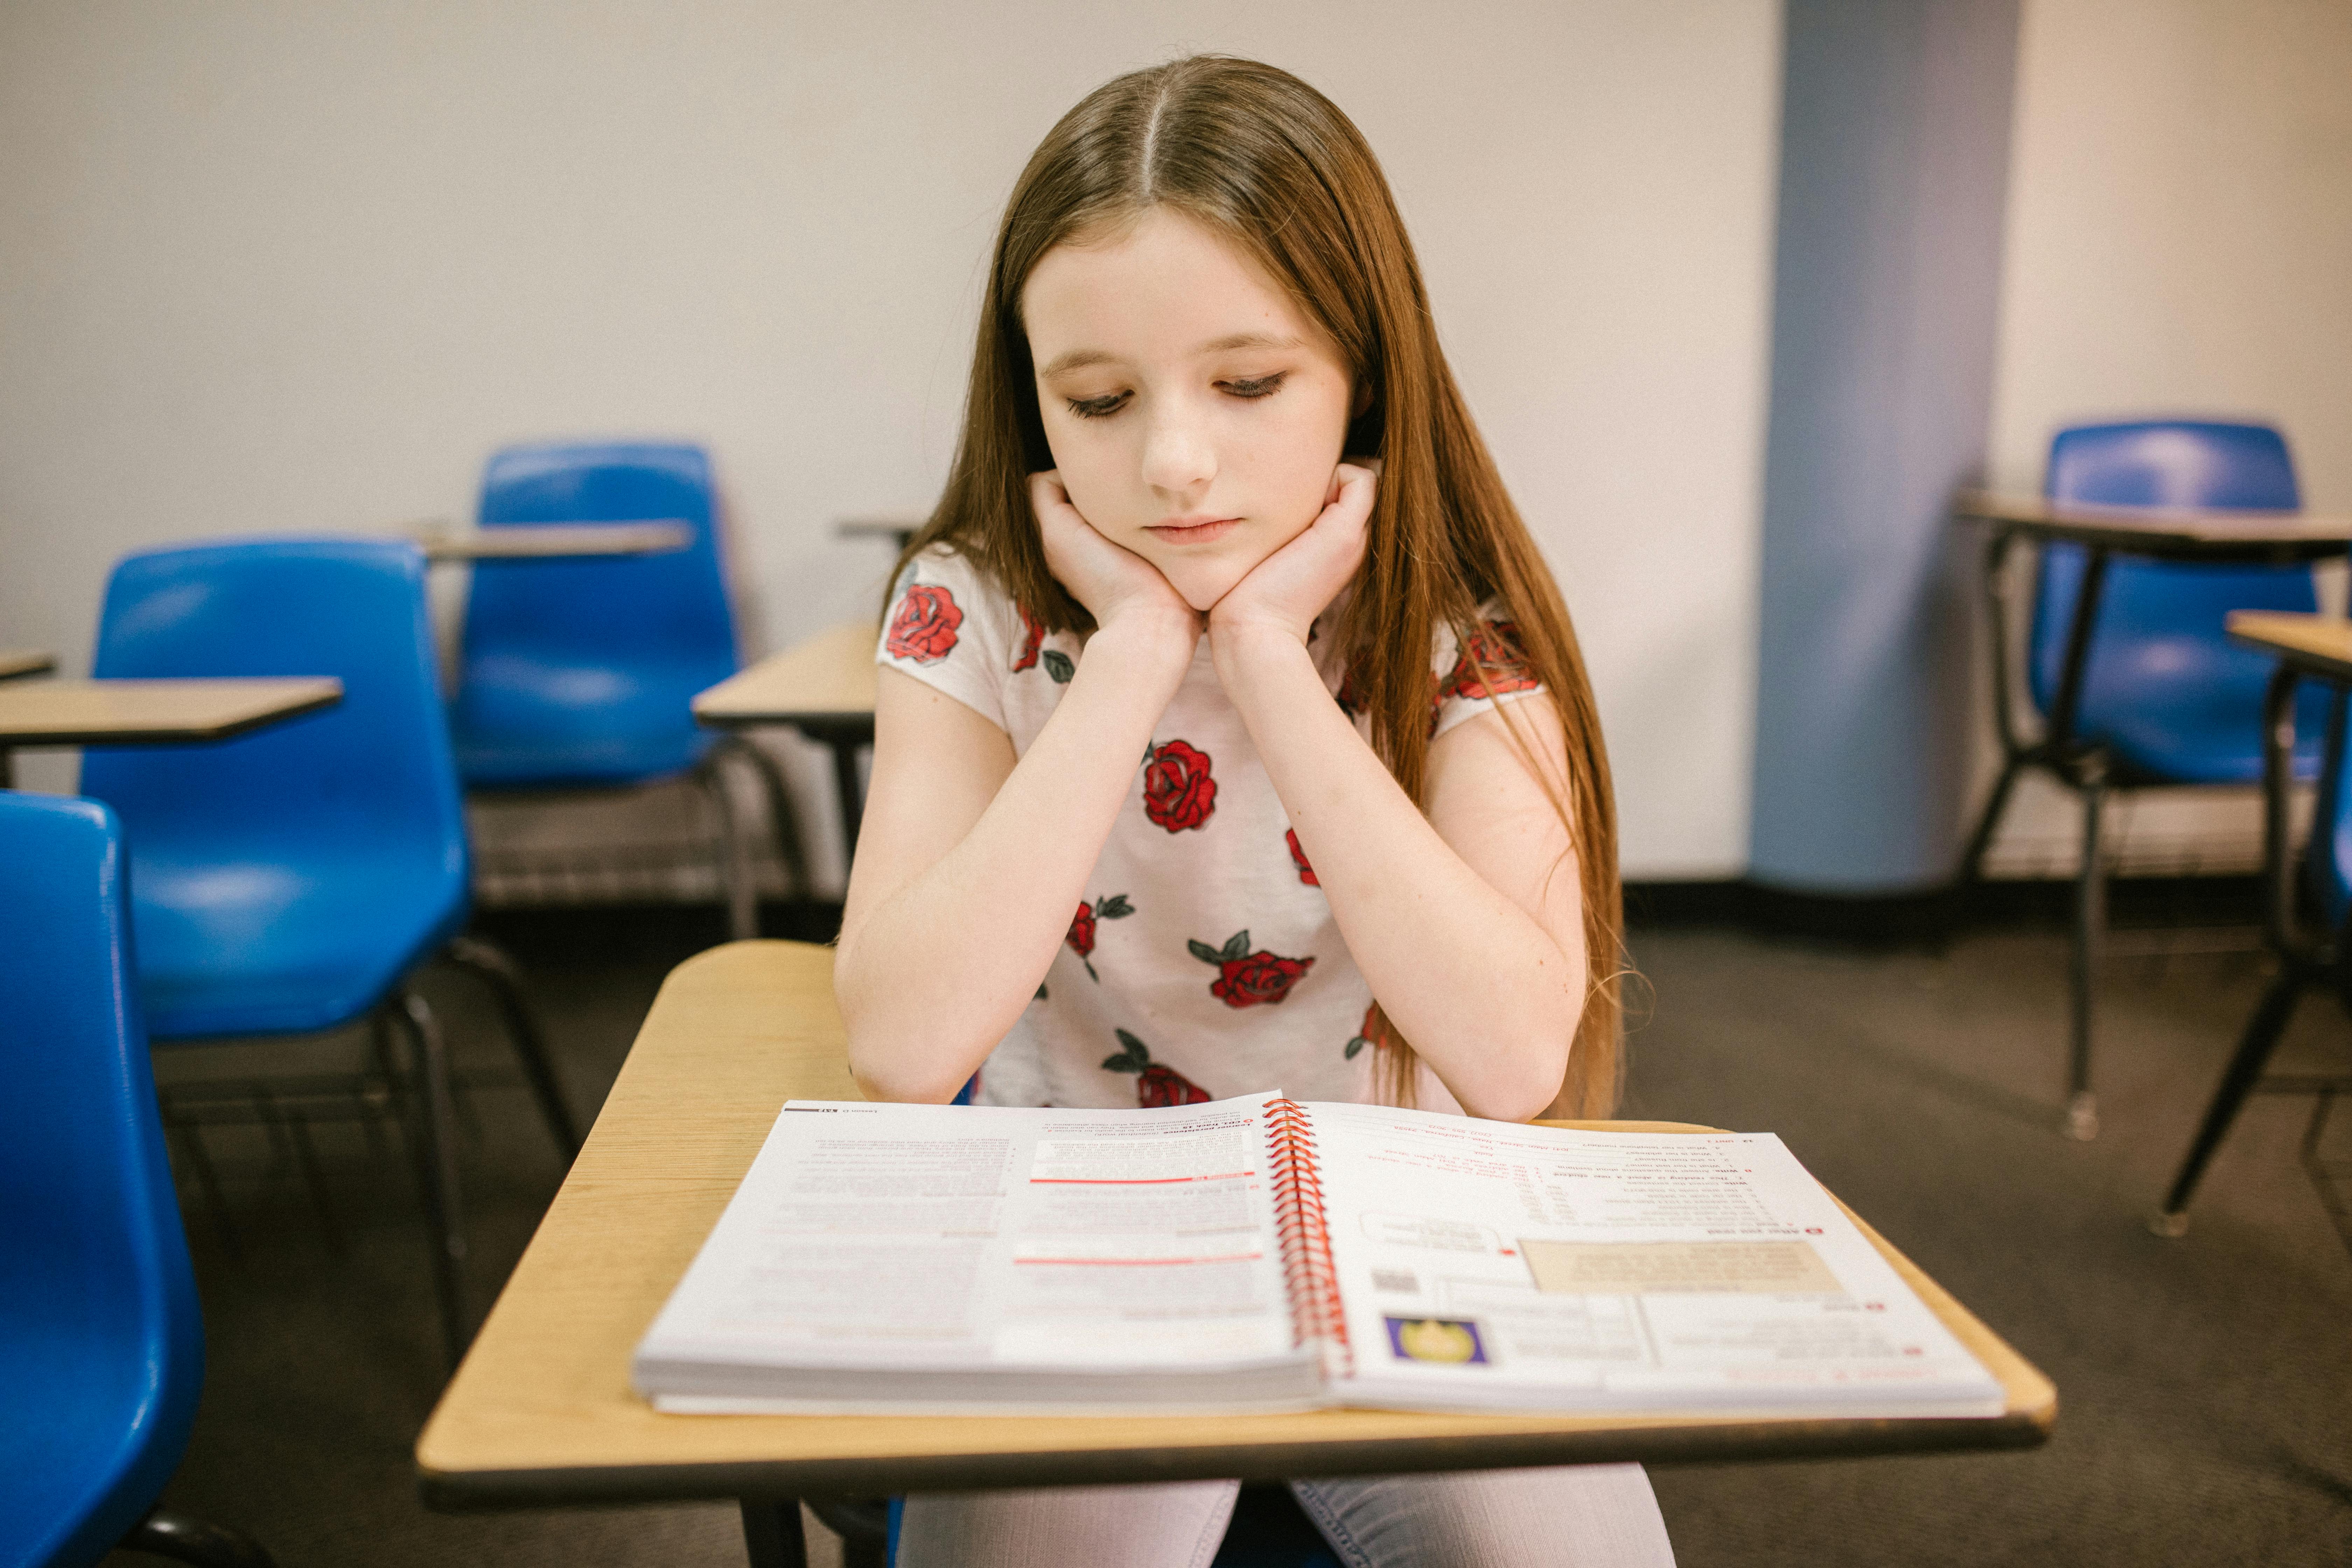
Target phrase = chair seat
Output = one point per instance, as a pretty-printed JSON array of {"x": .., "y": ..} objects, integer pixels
[
  {"x": 2187, "y": 709},
  {"x": 239, "y": 946},
  {"x": 520, "y": 722},
  {"x": 87, "y": 1437}
]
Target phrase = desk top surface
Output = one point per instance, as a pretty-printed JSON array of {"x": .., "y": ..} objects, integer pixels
[
  {"x": 898, "y": 530},
  {"x": 556, "y": 541},
  {"x": 2159, "y": 529},
  {"x": 147, "y": 712},
  {"x": 541, "y": 1411},
  {"x": 831, "y": 676},
  {"x": 16, "y": 661},
  {"x": 2321, "y": 643}
]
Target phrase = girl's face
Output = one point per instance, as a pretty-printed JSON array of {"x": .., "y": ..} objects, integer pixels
[{"x": 1195, "y": 414}]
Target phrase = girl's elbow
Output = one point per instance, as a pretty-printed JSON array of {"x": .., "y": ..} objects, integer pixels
[
  {"x": 886, "y": 1071},
  {"x": 1522, "y": 1097},
  {"x": 901, "y": 1083},
  {"x": 1529, "y": 1078}
]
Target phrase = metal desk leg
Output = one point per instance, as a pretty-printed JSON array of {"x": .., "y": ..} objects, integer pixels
[
  {"x": 2090, "y": 938},
  {"x": 2086, "y": 770},
  {"x": 2238, "y": 1081},
  {"x": 2014, "y": 752},
  {"x": 772, "y": 1532},
  {"x": 2067, "y": 700},
  {"x": 2301, "y": 961}
]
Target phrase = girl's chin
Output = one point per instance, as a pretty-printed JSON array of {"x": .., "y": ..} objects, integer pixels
[{"x": 1203, "y": 583}]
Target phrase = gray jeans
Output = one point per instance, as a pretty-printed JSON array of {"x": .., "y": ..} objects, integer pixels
[{"x": 1582, "y": 1516}]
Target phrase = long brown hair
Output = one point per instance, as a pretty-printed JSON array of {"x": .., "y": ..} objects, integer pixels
[{"x": 1259, "y": 156}]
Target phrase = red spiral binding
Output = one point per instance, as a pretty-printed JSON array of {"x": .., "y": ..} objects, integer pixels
[{"x": 1305, "y": 1233}]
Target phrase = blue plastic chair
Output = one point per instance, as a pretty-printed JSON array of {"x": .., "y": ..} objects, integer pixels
[
  {"x": 103, "y": 1356},
  {"x": 293, "y": 880},
  {"x": 2164, "y": 698},
  {"x": 582, "y": 674},
  {"x": 2320, "y": 880}
]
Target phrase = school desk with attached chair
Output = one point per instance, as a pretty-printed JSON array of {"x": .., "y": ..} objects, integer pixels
[
  {"x": 294, "y": 880},
  {"x": 2150, "y": 534},
  {"x": 103, "y": 1356},
  {"x": 578, "y": 674},
  {"x": 2307, "y": 648},
  {"x": 541, "y": 1413}
]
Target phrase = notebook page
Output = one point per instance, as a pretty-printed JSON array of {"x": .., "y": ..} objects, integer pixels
[
  {"x": 961, "y": 1238},
  {"x": 1487, "y": 1264}
]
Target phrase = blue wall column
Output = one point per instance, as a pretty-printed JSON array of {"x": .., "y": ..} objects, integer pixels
[{"x": 1894, "y": 173}]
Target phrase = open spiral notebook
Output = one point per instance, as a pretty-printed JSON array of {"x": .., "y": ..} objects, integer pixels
[{"x": 1261, "y": 1254}]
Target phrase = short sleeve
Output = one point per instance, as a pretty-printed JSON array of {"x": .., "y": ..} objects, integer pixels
[
  {"x": 952, "y": 629},
  {"x": 1491, "y": 667}
]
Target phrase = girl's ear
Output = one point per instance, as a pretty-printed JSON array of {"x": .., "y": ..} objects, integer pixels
[{"x": 1363, "y": 400}]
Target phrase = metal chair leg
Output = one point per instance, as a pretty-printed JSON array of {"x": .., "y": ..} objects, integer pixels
[
  {"x": 735, "y": 873},
  {"x": 2090, "y": 938},
  {"x": 863, "y": 1524},
  {"x": 781, "y": 815},
  {"x": 491, "y": 964},
  {"x": 437, "y": 1169},
  {"x": 2238, "y": 1080},
  {"x": 185, "y": 1539},
  {"x": 771, "y": 1533},
  {"x": 1980, "y": 841}
]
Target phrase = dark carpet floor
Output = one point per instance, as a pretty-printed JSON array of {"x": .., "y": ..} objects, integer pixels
[{"x": 2205, "y": 1384}]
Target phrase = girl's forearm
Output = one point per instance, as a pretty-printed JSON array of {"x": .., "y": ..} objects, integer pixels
[
  {"x": 936, "y": 974},
  {"x": 1484, "y": 992}
]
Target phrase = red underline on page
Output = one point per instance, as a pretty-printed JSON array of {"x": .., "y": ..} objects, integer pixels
[
  {"x": 1130, "y": 1181},
  {"x": 1141, "y": 1262}
]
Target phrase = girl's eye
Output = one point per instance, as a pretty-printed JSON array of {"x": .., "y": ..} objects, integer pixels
[
  {"x": 1097, "y": 407},
  {"x": 1263, "y": 386}
]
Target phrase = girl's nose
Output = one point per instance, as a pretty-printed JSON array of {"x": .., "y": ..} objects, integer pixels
[{"x": 1177, "y": 456}]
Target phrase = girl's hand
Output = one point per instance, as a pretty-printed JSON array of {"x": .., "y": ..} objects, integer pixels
[
  {"x": 1289, "y": 589},
  {"x": 1113, "y": 583}
]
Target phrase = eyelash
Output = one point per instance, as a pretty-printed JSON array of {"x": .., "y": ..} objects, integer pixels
[{"x": 1104, "y": 407}]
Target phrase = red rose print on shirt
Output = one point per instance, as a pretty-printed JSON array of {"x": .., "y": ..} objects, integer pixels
[
  {"x": 1032, "y": 637},
  {"x": 1178, "y": 791},
  {"x": 925, "y": 627},
  {"x": 1154, "y": 1085},
  {"x": 1082, "y": 927},
  {"x": 1244, "y": 978},
  {"x": 1494, "y": 644},
  {"x": 1350, "y": 701},
  {"x": 1369, "y": 1034},
  {"x": 1306, "y": 872}
]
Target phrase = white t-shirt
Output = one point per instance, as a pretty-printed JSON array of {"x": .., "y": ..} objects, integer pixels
[{"x": 1204, "y": 961}]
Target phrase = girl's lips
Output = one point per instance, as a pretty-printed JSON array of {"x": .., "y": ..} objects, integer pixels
[{"x": 1195, "y": 533}]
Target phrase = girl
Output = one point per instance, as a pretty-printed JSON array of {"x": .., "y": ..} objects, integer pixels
[{"x": 1227, "y": 636}]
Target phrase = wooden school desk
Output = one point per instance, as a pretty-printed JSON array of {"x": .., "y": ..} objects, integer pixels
[
  {"x": 823, "y": 688},
  {"x": 541, "y": 1412},
  {"x": 552, "y": 540},
  {"x": 2165, "y": 533},
  {"x": 896, "y": 530},
  {"x": 2316, "y": 647},
  {"x": 149, "y": 712}
]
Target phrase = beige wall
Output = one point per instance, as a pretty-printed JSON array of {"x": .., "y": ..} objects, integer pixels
[
  {"x": 2179, "y": 241},
  {"x": 302, "y": 266}
]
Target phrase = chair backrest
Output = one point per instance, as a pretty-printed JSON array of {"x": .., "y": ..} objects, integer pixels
[
  {"x": 368, "y": 780},
  {"x": 666, "y": 613},
  {"x": 104, "y": 1344},
  {"x": 2171, "y": 463}
]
